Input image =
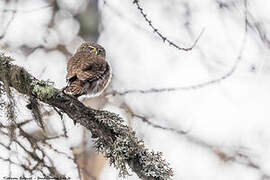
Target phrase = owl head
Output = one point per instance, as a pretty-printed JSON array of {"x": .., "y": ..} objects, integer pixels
[{"x": 92, "y": 48}]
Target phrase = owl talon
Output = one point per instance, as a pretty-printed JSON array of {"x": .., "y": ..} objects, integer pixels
[{"x": 74, "y": 90}]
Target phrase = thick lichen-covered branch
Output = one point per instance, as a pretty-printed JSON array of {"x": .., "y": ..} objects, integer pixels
[{"x": 116, "y": 141}]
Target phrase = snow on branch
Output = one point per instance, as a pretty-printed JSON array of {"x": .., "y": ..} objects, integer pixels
[{"x": 116, "y": 141}]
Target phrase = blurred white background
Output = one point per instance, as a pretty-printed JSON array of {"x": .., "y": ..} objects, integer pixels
[{"x": 218, "y": 131}]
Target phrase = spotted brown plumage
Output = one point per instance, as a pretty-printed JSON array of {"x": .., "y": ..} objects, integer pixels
[{"x": 88, "y": 72}]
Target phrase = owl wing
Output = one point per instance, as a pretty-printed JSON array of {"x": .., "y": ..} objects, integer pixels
[
  {"x": 85, "y": 67},
  {"x": 93, "y": 69},
  {"x": 72, "y": 67}
]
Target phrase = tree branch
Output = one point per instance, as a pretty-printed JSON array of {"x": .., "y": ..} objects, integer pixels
[
  {"x": 164, "y": 38},
  {"x": 116, "y": 141}
]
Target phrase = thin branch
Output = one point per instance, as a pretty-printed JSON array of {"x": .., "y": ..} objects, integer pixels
[
  {"x": 164, "y": 38},
  {"x": 34, "y": 156},
  {"x": 147, "y": 121},
  {"x": 28, "y": 10},
  {"x": 8, "y": 24},
  {"x": 14, "y": 11},
  {"x": 183, "y": 88}
]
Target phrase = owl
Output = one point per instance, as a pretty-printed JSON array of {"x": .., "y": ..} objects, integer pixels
[{"x": 88, "y": 72}]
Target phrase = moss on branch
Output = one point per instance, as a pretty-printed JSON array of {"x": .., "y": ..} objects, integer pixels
[
  {"x": 43, "y": 89},
  {"x": 114, "y": 139}
]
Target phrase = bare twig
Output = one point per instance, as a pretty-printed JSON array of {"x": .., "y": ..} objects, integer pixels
[
  {"x": 164, "y": 38},
  {"x": 184, "y": 88},
  {"x": 28, "y": 10},
  {"x": 146, "y": 120},
  {"x": 14, "y": 11}
]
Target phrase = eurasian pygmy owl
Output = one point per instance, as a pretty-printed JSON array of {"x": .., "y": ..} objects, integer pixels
[{"x": 88, "y": 72}]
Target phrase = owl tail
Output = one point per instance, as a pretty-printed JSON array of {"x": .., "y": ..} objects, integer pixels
[{"x": 75, "y": 89}]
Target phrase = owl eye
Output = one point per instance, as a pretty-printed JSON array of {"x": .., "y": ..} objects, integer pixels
[
  {"x": 91, "y": 48},
  {"x": 99, "y": 51}
]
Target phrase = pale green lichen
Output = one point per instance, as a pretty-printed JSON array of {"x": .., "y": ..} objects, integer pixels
[
  {"x": 43, "y": 89},
  {"x": 127, "y": 149}
]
